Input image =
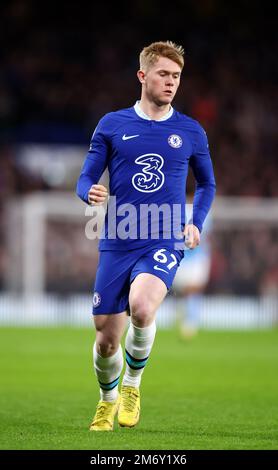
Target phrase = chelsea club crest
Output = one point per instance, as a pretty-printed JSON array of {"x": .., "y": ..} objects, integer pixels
[
  {"x": 96, "y": 299},
  {"x": 175, "y": 141}
]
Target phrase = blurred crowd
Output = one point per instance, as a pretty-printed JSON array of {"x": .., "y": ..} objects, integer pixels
[
  {"x": 244, "y": 262},
  {"x": 64, "y": 65}
]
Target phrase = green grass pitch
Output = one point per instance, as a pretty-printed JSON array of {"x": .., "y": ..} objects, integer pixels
[{"x": 218, "y": 391}]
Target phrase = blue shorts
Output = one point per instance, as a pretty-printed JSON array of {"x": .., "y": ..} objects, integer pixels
[{"x": 118, "y": 269}]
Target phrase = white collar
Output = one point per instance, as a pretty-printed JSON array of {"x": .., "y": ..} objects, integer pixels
[{"x": 142, "y": 115}]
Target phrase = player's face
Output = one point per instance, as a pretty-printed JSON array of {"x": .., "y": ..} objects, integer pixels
[{"x": 161, "y": 81}]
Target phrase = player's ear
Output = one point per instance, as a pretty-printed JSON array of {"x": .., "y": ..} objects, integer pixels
[{"x": 141, "y": 76}]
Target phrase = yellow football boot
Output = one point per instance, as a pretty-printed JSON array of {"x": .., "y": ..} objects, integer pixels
[
  {"x": 129, "y": 411},
  {"x": 105, "y": 415}
]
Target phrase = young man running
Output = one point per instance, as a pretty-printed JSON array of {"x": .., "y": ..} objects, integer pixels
[{"x": 147, "y": 149}]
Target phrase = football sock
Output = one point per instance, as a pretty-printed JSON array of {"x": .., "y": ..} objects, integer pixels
[
  {"x": 138, "y": 345},
  {"x": 108, "y": 371}
]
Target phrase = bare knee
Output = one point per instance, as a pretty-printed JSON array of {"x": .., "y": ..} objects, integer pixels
[
  {"x": 109, "y": 331},
  {"x": 106, "y": 345},
  {"x": 141, "y": 312},
  {"x": 107, "y": 348}
]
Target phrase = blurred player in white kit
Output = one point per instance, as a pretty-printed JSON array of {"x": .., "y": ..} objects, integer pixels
[{"x": 190, "y": 282}]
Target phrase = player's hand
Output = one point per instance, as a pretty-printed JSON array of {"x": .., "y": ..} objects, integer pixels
[
  {"x": 192, "y": 236},
  {"x": 97, "y": 194}
]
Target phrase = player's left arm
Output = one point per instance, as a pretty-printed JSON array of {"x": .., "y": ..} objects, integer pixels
[
  {"x": 205, "y": 189},
  {"x": 96, "y": 161}
]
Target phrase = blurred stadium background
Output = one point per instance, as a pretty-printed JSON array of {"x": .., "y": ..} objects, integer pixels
[
  {"x": 63, "y": 65},
  {"x": 62, "y": 68}
]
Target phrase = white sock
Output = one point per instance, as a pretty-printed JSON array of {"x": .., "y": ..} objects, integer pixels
[
  {"x": 108, "y": 371},
  {"x": 138, "y": 345}
]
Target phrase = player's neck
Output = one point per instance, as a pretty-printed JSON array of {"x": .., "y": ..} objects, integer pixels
[{"x": 152, "y": 110}]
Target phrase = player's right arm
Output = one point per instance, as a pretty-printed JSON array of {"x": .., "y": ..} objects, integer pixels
[{"x": 94, "y": 165}]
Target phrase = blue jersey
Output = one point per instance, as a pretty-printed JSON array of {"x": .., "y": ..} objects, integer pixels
[{"x": 148, "y": 164}]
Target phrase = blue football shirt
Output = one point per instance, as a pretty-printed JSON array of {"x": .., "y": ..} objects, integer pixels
[{"x": 148, "y": 164}]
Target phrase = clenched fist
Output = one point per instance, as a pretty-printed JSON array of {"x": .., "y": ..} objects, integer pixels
[
  {"x": 97, "y": 194},
  {"x": 192, "y": 236}
]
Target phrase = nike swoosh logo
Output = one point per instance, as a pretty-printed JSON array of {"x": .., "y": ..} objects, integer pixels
[
  {"x": 160, "y": 269},
  {"x": 127, "y": 137}
]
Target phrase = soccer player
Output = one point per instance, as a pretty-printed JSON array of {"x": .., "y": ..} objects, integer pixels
[{"x": 147, "y": 149}]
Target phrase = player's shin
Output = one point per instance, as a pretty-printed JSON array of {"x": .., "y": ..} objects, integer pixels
[
  {"x": 138, "y": 345},
  {"x": 108, "y": 371}
]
